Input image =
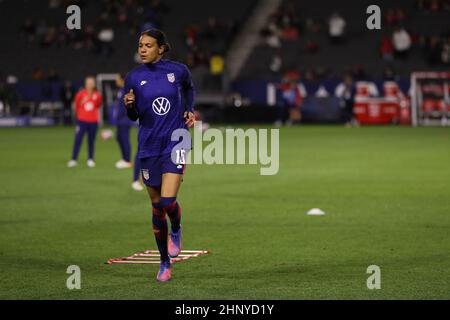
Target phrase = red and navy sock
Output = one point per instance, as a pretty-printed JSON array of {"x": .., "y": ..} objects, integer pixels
[
  {"x": 173, "y": 210},
  {"x": 160, "y": 230}
]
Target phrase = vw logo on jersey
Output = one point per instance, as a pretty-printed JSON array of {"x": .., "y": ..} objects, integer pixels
[{"x": 161, "y": 106}]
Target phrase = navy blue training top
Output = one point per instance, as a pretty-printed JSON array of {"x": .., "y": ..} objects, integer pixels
[{"x": 163, "y": 92}]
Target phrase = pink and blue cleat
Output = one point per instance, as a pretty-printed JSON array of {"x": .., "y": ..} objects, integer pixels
[
  {"x": 174, "y": 245},
  {"x": 164, "y": 272}
]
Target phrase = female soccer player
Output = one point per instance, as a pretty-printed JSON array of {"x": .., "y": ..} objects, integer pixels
[
  {"x": 160, "y": 93},
  {"x": 87, "y": 104},
  {"x": 123, "y": 135}
]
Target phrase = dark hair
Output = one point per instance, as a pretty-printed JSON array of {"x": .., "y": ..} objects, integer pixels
[{"x": 160, "y": 37}]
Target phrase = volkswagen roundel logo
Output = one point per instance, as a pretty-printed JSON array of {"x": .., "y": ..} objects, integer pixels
[{"x": 161, "y": 106}]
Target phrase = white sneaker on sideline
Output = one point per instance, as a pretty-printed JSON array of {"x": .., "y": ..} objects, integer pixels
[
  {"x": 91, "y": 163},
  {"x": 137, "y": 186},
  {"x": 72, "y": 163},
  {"x": 122, "y": 164}
]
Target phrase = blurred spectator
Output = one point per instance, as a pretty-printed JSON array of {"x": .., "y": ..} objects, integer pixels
[
  {"x": 394, "y": 17},
  {"x": 106, "y": 37},
  {"x": 311, "y": 46},
  {"x": 336, "y": 28},
  {"x": 9, "y": 100},
  {"x": 434, "y": 50},
  {"x": 346, "y": 92},
  {"x": 190, "y": 36},
  {"x": 29, "y": 29},
  {"x": 401, "y": 41},
  {"x": 400, "y": 15},
  {"x": 53, "y": 75},
  {"x": 358, "y": 72},
  {"x": 445, "y": 54},
  {"x": 276, "y": 63},
  {"x": 271, "y": 34},
  {"x": 66, "y": 96},
  {"x": 390, "y": 17},
  {"x": 389, "y": 74},
  {"x": 216, "y": 68},
  {"x": 386, "y": 48},
  {"x": 212, "y": 30},
  {"x": 322, "y": 92},
  {"x": 49, "y": 38},
  {"x": 273, "y": 40},
  {"x": 292, "y": 95},
  {"x": 37, "y": 74},
  {"x": 432, "y": 5},
  {"x": 290, "y": 33},
  {"x": 216, "y": 64},
  {"x": 435, "y": 5}
]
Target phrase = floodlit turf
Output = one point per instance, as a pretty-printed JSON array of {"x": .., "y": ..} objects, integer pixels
[{"x": 385, "y": 191}]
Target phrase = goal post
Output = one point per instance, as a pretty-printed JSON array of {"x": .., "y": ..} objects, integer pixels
[
  {"x": 430, "y": 98},
  {"x": 106, "y": 84}
]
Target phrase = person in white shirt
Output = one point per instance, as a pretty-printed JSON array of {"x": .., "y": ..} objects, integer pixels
[
  {"x": 401, "y": 41},
  {"x": 336, "y": 28}
]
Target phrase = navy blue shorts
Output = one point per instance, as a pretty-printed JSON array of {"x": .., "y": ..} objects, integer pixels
[{"x": 153, "y": 168}]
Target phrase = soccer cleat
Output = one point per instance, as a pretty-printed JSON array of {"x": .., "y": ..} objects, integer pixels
[
  {"x": 164, "y": 272},
  {"x": 122, "y": 164},
  {"x": 137, "y": 186},
  {"x": 91, "y": 163},
  {"x": 72, "y": 163},
  {"x": 174, "y": 245}
]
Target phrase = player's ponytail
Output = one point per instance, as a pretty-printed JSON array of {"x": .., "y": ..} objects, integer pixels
[{"x": 160, "y": 37}]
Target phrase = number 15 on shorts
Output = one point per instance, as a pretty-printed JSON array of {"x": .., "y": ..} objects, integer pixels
[{"x": 181, "y": 156}]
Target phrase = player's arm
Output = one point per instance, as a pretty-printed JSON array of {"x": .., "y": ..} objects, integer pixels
[
  {"x": 129, "y": 100},
  {"x": 100, "y": 100},
  {"x": 78, "y": 98},
  {"x": 189, "y": 96}
]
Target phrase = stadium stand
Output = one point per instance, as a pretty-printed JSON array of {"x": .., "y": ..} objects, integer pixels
[
  {"x": 297, "y": 36},
  {"x": 40, "y": 45},
  {"x": 44, "y": 61}
]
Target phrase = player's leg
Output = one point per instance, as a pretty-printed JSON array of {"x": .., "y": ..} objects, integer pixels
[
  {"x": 348, "y": 114},
  {"x": 92, "y": 133},
  {"x": 151, "y": 173},
  {"x": 119, "y": 139},
  {"x": 80, "y": 130},
  {"x": 169, "y": 190},
  {"x": 126, "y": 143},
  {"x": 136, "y": 185},
  {"x": 171, "y": 181},
  {"x": 123, "y": 138}
]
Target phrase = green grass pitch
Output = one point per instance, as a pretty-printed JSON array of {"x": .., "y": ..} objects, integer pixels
[{"x": 385, "y": 191}]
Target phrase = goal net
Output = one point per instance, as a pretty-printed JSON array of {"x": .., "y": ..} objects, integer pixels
[{"x": 430, "y": 98}]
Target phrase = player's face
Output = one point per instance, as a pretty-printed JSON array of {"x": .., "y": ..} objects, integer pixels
[
  {"x": 149, "y": 51},
  {"x": 89, "y": 84}
]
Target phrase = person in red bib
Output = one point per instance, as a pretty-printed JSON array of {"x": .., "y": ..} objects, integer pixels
[{"x": 88, "y": 102}]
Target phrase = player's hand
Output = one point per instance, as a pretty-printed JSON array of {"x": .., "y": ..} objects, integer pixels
[
  {"x": 190, "y": 119},
  {"x": 129, "y": 98}
]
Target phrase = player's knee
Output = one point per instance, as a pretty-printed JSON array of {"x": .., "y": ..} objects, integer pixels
[
  {"x": 168, "y": 203},
  {"x": 158, "y": 211}
]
